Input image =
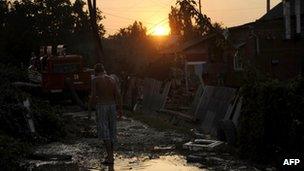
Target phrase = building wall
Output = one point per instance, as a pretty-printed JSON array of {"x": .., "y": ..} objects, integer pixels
[
  {"x": 279, "y": 58},
  {"x": 264, "y": 46}
]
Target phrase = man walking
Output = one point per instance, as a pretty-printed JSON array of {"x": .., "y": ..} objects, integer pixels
[{"x": 106, "y": 96}]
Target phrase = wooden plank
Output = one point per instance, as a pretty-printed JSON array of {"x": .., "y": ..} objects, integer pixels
[
  {"x": 165, "y": 94},
  {"x": 196, "y": 101},
  {"x": 151, "y": 91},
  {"x": 178, "y": 114},
  {"x": 214, "y": 106},
  {"x": 153, "y": 98},
  {"x": 207, "y": 123},
  {"x": 147, "y": 92},
  {"x": 237, "y": 112},
  {"x": 204, "y": 102},
  {"x": 225, "y": 95},
  {"x": 231, "y": 108}
]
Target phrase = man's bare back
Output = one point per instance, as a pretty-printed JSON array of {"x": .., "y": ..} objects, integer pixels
[{"x": 105, "y": 89}]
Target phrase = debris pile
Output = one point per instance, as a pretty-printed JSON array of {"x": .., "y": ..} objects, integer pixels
[{"x": 213, "y": 155}]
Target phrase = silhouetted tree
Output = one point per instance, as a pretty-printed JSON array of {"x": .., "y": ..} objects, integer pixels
[
  {"x": 28, "y": 24},
  {"x": 187, "y": 22},
  {"x": 131, "y": 48},
  {"x": 181, "y": 19}
]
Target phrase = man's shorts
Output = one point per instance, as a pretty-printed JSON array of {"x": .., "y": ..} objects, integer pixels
[{"x": 106, "y": 122}]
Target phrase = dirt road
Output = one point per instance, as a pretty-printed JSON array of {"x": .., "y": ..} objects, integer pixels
[{"x": 139, "y": 147}]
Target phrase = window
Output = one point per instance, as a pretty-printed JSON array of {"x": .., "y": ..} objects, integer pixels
[{"x": 238, "y": 60}]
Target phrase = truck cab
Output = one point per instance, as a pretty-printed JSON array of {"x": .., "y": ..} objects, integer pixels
[{"x": 62, "y": 72}]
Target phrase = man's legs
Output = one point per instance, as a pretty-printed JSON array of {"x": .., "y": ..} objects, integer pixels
[
  {"x": 110, "y": 133},
  {"x": 109, "y": 149}
]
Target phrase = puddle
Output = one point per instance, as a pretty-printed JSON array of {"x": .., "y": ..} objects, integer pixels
[{"x": 164, "y": 163}]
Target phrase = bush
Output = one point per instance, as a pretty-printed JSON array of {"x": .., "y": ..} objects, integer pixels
[
  {"x": 10, "y": 74},
  {"x": 11, "y": 151},
  {"x": 12, "y": 112},
  {"x": 14, "y": 129},
  {"x": 271, "y": 124},
  {"x": 47, "y": 120}
]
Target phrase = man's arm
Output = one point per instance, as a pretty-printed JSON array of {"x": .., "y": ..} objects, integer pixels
[
  {"x": 92, "y": 98},
  {"x": 118, "y": 98}
]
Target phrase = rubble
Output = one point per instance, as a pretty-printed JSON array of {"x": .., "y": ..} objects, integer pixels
[
  {"x": 202, "y": 144},
  {"x": 138, "y": 147},
  {"x": 164, "y": 148},
  {"x": 213, "y": 106},
  {"x": 210, "y": 105},
  {"x": 214, "y": 160},
  {"x": 194, "y": 159}
]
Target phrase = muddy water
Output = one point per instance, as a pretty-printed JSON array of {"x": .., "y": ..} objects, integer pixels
[
  {"x": 163, "y": 163},
  {"x": 140, "y": 147},
  {"x": 134, "y": 150}
]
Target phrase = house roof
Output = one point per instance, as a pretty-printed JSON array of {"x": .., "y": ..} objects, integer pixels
[
  {"x": 184, "y": 46},
  {"x": 194, "y": 42},
  {"x": 247, "y": 25},
  {"x": 171, "y": 45},
  {"x": 277, "y": 11}
]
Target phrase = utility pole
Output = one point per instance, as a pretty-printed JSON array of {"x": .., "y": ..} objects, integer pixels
[
  {"x": 200, "y": 6},
  {"x": 287, "y": 18},
  {"x": 268, "y": 5},
  {"x": 99, "y": 54},
  {"x": 298, "y": 16}
]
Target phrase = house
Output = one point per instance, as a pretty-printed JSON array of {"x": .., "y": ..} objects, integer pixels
[{"x": 273, "y": 45}]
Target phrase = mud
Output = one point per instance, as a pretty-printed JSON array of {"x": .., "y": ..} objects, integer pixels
[{"x": 139, "y": 147}]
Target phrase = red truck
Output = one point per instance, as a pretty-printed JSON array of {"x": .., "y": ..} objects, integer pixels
[{"x": 61, "y": 72}]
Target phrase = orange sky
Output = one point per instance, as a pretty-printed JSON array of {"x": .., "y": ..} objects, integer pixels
[{"x": 154, "y": 13}]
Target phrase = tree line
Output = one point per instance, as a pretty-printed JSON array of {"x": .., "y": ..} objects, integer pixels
[
  {"x": 130, "y": 49},
  {"x": 27, "y": 24}
]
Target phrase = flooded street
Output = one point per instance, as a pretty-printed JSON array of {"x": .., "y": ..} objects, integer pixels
[
  {"x": 164, "y": 163},
  {"x": 139, "y": 147},
  {"x": 174, "y": 162}
]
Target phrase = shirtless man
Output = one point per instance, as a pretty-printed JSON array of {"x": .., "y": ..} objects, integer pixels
[{"x": 106, "y": 96}]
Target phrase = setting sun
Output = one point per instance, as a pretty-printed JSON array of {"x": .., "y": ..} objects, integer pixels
[{"x": 160, "y": 31}]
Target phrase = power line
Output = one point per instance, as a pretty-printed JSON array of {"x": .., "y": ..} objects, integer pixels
[
  {"x": 160, "y": 9},
  {"x": 155, "y": 13},
  {"x": 236, "y": 9},
  {"x": 159, "y": 3},
  {"x": 151, "y": 27},
  {"x": 135, "y": 5},
  {"x": 134, "y": 10},
  {"x": 126, "y": 18}
]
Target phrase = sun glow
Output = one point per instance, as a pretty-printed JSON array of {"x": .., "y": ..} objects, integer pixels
[{"x": 160, "y": 31}]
